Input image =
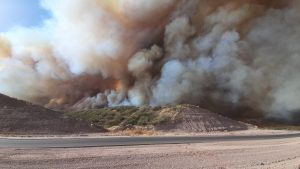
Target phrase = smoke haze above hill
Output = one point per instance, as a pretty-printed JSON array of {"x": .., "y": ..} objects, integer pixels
[{"x": 94, "y": 53}]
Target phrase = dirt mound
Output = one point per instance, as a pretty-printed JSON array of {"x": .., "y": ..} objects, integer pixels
[
  {"x": 19, "y": 117},
  {"x": 188, "y": 118},
  {"x": 7, "y": 102}
]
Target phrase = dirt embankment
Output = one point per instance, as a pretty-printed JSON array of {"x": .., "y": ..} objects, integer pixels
[
  {"x": 139, "y": 120},
  {"x": 19, "y": 117},
  {"x": 189, "y": 118}
]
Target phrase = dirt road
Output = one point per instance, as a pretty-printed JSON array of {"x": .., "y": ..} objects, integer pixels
[{"x": 268, "y": 154}]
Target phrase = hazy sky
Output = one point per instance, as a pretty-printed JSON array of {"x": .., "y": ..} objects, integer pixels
[{"x": 20, "y": 13}]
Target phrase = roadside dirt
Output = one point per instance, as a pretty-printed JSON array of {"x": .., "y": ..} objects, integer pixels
[{"x": 264, "y": 154}]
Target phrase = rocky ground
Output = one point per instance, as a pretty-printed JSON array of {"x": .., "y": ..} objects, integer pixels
[{"x": 263, "y": 154}]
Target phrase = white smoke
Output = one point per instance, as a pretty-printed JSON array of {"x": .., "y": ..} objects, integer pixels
[{"x": 90, "y": 54}]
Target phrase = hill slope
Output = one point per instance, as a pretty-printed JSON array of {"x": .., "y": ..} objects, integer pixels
[
  {"x": 189, "y": 118},
  {"x": 182, "y": 118},
  {"x": 19, "y": 117}
]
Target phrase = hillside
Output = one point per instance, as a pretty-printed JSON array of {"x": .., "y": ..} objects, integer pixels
[
  {"x": 19, "y": 117},
  {"x": 181, "y": 118},
  {"x": 189, "y": 118}
]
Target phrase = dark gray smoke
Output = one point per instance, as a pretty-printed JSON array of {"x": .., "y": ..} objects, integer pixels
[{"x": 235, "y": 55}]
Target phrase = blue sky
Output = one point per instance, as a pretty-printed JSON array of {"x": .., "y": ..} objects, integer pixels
[{"x": 26, "y": 13}]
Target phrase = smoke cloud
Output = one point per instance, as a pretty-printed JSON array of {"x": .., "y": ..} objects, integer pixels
[{"x": 231, "y": 55}]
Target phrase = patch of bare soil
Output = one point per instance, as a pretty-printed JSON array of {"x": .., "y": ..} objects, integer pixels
[
  {"x": 189, "y": 118},
  {"x": 19, "y": 117}
]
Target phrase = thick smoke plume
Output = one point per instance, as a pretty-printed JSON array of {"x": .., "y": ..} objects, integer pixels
[{"x": 233, "y": 55}]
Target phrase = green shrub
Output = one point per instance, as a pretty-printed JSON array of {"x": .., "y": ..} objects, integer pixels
[
  {"x": 160, "y": 119},
  {"x": 143, "y": 120}
]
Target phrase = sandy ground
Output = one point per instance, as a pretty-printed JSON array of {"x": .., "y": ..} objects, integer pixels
[{"x": 268, "y": 154}]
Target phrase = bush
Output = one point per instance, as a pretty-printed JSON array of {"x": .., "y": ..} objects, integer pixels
[
  {"x": 143, "y": 120},
  {"x": 160, "y": 119}
]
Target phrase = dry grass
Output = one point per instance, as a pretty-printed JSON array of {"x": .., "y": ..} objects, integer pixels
[{"x": 139, "y": 132}]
